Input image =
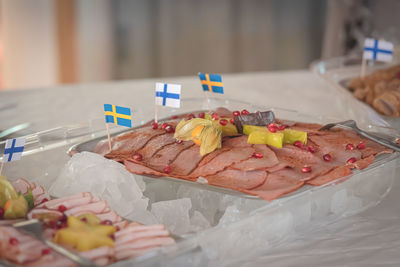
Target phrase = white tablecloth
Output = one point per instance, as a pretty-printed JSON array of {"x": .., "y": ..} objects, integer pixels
[{"x": 371, "y": 238}]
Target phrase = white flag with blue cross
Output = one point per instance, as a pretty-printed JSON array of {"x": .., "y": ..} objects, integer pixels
[
  {"x": 13, "y": 149},
  {"x": 378, "y": 50},
  {"x": 168, "y": 95}
]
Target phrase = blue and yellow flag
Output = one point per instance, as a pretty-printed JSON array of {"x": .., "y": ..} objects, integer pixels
[
  {"x": 211, "y": 82},
  {"x": 118, "y": 115}
]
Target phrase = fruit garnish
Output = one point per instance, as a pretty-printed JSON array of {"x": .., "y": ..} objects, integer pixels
[
  {"x": 266, "y": 137},
  {"x": 29, "y": 199},
  {"x": 83, "y": 236},
  {"x": 7, "y": 191},
  {"x": 15, "y": 208},
  {"x": 291, "y": 136},
  {"x": 89, "y": 218},
  {"x": 257, "y": 119},
  {"x": 202, "y": 131}
]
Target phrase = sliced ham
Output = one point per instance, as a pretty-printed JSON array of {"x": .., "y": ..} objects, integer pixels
[
  {"x": 364, "y": 163},
  {"x": 148, "y": 243},
  {"x": 95, "y": 207},
  {"x": 186, "y": 161},
  {"x": 334, "y": 174},
  {"x": 237, "y": 179},
  {"x": 111, "y": 215},
  {"x": 167, "y": 155},
  {"x": 125, "y": 239},
  {"x": 54, "y": 203},
  {"x": 268, "y": 160},
  {"x": 136, "y": 168},
  {"x": 97, "y": 253},
  {"x": 155, "y": 145},
  {"x": 277, "y": 184},
  {"x": 223, "y": 160}
]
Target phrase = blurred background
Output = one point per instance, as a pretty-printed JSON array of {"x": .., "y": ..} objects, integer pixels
[{"x": 51, "y": 42}]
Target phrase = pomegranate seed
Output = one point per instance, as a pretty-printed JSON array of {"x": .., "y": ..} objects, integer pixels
[
  {"x": 232, "y": 121},
  {"x": 13, "y": 241},
  {"x": 137, "y": 157},
  {"x": 306, "y": 169},
  {"x": 257, "y": 155},
  {"x": 164, "y": 125},
  {"x": 112, "y": 237},
  {"x": 117, "y": 228},
  {"x": 154, "y": 125},
  {"x": 245, "y": 112},
  {"x": 215, "y": 116},
  {"x": 327, "y": 157},
  {"x": 84, "y": 220},
  {"x": 191, "y": 116},
  {"x": 179, "y": 141},
  {"x": 1, "y": 213},
  {"x": 202, "y": 115},
  {"x": 169, "y": 129},
  {"x": 298, "y": 144},
  {"x": 281, "y": 127},
  {"x": 223, "y": 122},
  {"x": 349, "y": 147},
  {"x": 351, "y": 160},
  {"x": 44, "y": 200},
  {"x": 106, "y": 222},
  {"x": 361, "y": 145},
  {"x": 63, "y": 218},
  {"x": 46, "y": 251},
  {"x": 61, "y": 224},
  {"x": 236, "y": 113},
  {"x": 167, "y": 169},
  {"x": 62, "y": 208},
  {"x": 272, "y": 127},
  {"x": 174, "y": 117},
  {"x": 311, "y": 149}
]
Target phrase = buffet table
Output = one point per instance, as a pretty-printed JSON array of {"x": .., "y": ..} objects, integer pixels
[{"x": 371, "y": 238}]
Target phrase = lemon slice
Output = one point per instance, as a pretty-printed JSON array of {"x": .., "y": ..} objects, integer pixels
[{"x": 7, "y": 191}]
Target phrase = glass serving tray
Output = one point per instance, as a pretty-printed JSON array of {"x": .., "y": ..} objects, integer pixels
[
  {"x": 245, "y": 226},
  {"x": 339, "y": 71}
]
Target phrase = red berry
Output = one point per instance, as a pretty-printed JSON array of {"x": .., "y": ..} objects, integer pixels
[
  {"x": 311, "y": 149},
  {"x": 164, "y": 125},
  {"x": 112, "y": 237},
  {"x": 349, "y": 147},
  {"x": 169, "y": 129},
  {"x": 202, "y": 115},
  {"x": 117, "y": 228},
  {"x": 46, "y": 251},
  {"x": 62, "y": 208},
  {"x": 154, "y": 125},
  {"x": 327, "y": 157},
  {"x": 272, "y": 127},
  {"x": 223, "y": 122},
  {"x": 137, "y": 157},
  {"x": 106, "y": 222},
  {"x": 351, "y": 160},
  {"x": 167, "y": 169},
  {"x": 44, "y": 200},
  {"x": 84, "y": 220},
  {"x": 215, "y": 116},
  {"x": 179, "y": 141},
  {"x": 361, "y": 145},
  {"x": 1, "y": 213},
  {"x": 63, "y": 218},
  {"x": 245, "y": 112},
  {"x": 257, "y": 155},
  {"x": 232, "y": 121},
  {"x": 306, "y": 169},
  {"x": 13, "y": 241},
  {"x": 298, "y": 144},
  {"x": 281, "y": 127},
  {"x": 236, "y": 113},
  {"x": 174, "y": 117},
  {"x": 191, "y": 116}
]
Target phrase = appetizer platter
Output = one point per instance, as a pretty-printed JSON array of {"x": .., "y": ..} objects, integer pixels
[{"x": 235, "y": 209}]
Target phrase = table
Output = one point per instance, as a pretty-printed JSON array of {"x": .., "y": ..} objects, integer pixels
[{"x": 371, "y": 238}]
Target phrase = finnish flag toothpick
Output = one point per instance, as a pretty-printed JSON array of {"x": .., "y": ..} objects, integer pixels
[
  {"x": 13, "y": 149},
  {"x": 378, "y": 50},
  {"x": 168, "y": 95}
]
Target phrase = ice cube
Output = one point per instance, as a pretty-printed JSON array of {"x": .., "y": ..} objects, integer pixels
[
  {"x": 90, "y": 172},
  {"x": 198, "y": 222},
  {"x": 174, "y": 214}
]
